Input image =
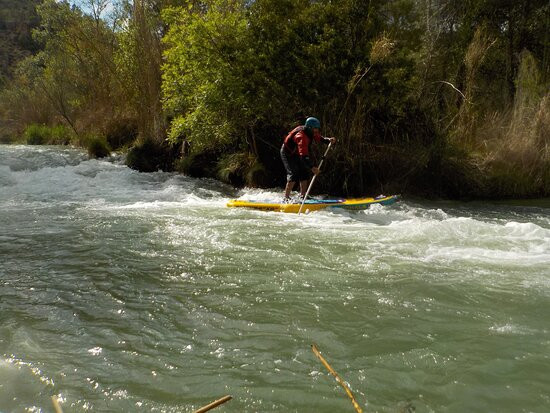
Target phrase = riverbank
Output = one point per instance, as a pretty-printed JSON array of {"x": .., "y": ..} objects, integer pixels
[{"x": 431, "y": 175}]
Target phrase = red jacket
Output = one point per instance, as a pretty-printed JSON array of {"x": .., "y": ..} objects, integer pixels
[{"x": 297, "y": 142}]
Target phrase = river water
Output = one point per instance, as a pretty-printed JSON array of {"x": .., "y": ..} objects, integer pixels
[{"x": 129, "y": 292}]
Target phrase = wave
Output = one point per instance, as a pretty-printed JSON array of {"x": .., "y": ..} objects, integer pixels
[
  {"x": 51, "y": 174},
  {"x": 441, "y": 234}
]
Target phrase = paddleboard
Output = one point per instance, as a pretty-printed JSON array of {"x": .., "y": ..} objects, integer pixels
[{"x": 315, "y": 204}]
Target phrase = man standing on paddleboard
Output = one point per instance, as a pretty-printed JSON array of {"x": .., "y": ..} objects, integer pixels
[{"x": 295, "y": 155}]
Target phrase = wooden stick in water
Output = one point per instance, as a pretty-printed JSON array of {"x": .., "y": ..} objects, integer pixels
[
  {"x": 56, "y": 405},
  {"x": 214, "y": 404},
  {"x": 337, "y": 377}
]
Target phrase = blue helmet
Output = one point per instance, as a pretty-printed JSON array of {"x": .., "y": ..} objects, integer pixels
[{"x": 312, "y": 123}]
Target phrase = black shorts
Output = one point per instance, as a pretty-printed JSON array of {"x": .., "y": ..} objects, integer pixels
[{"x": 296, "y": 170}]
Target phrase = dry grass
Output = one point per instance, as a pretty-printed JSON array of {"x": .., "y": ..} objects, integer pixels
[
  {"x": 516, "y": 150},
  {"x": 477, "y": 51},
  {"x": 541, "y": 126},
  {"x": 475, "y": 55},
  {"x": 381, "y": 49},
  {"x": 512, "y": 148}
]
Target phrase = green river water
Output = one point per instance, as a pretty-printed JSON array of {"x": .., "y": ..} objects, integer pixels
[{"x": 130, "y": 292}]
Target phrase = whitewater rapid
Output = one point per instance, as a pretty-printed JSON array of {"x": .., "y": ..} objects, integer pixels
[{"x": 128, "y": 291}]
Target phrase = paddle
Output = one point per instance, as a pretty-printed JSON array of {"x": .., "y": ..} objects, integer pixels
[{"x": 313, "y": 179}]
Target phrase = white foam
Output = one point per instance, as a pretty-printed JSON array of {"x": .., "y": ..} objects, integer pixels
[
  {"x": 510, "y": 329},
  {"x": 403, "y": 232}
]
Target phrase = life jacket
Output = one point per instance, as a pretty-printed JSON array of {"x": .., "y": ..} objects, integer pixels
[
  {"x": 297, "y": 141},
  {"x": 289, "y": 144}
]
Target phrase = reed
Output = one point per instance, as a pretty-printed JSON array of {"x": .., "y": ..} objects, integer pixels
[
  {"x": 467, "y": 115},
  {"x": 515, "y": 145}
]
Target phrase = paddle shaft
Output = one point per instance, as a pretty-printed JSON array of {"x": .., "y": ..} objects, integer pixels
[{"x": 313, "y": 179}]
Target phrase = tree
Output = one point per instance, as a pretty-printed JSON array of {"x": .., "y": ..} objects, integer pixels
[{"x": 138, "y": 61}]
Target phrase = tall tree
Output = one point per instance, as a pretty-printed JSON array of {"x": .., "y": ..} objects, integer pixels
[{"x": 139, "y": 59}]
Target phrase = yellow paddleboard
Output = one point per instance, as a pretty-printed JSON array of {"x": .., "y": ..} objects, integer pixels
[{"x": 315, "y": 204}]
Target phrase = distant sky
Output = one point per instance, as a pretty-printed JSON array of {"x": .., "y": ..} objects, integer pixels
[{"x": 82, "y": 4}]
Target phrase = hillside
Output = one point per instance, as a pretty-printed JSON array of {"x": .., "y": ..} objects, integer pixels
[{"x": 17, "y": 19}]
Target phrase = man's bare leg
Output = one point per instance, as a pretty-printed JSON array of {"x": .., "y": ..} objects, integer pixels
[
  {"x": 288, "y": 188},
  {"x": 303, "y": 187}
]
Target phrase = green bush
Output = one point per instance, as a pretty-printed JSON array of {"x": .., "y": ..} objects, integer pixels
[
  {"x": 121, "y": 132},
  {"x": 259, "y": 176},
  {"x": 201, "y": 163},
  {"x": 243, "y": 168},
  {"x": 97, "y": 146},
  {"x": 36, "y": 134},
  {"x": 60, "y": 135},
  {"x": 149, "y": 156},
  {"x": 234, "y": 167}
]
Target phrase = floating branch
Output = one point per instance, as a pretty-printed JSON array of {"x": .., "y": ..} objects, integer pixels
[
  {"x": 214, "y": 404},
  {"x": 337, "y": 377},
  {"x": 56, "y": 405}
]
